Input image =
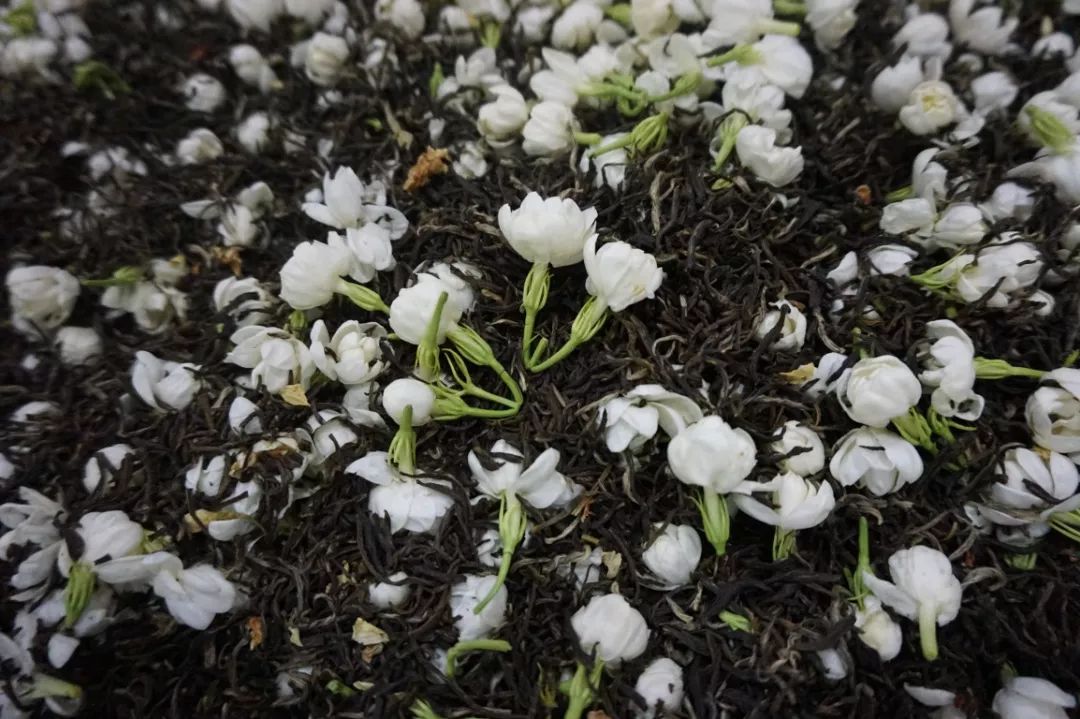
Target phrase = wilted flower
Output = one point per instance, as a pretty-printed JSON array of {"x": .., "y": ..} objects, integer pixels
[
  {"x": 877, "y": 630},
  {"x": 390, "y": 594},
  {"x": 464, "y": 598},
  {"x": 245, "y": 300},
  {"x": 792, "y": 326},
  {"x": 78, "y": 346},
  {"x": 104, "y": 465}
]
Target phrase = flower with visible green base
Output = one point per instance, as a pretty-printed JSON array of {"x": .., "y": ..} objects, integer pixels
[
  {"x": 986, "y": 368},
  {"x": 505, "y": 478},
  {"x": 619, "y": 275},
  {"x": 125, "y": 275},
  {"x": 923, "y": 589},
  {"x": 581, "y": 689},
  {"x": 1048, "y": 129}
]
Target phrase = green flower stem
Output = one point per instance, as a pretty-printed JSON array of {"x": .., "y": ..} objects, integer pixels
[
  {"x": 587, "y": 138},
  {"x": 449, "y": 406},
  {"x": 582, "y": 689},
  {"x": 77, "y": 593},
  {"x": 402, "y": 453},
  {"x": 361, "y": 296},
  {"x": 915, "y": 429},
  {"x": 590, "y": 319},
  {"x": 715, "y": 519},
  {"x": 778, "y": 27},
  {"x": 48, "y": 687},
  {"x": 534, "y": 298},
  {"x": 789, "y": 7},
  {"x": 685, "y": 85},
  {"x": 126, "y": 275},
  {"x": 899, "y": 194},
  {"x": 610, "y": 89},
  {"x": 729, "y": 132},
  {"x": 475, "y": 349},
  {"x": 928, "y": 631},
  {"x": 512, "y": 523},
  {"x": 986, "y": 368},
  {"x": 783, "y": 544},
  {"x": 621, "y": 142},
  {"x": 742, "y": 54},
  {"x": 862, "y": 564},
  {"x": 474, "y": 645},
  {"x": 1067, "y": 524},
  {"x": 427, "y": 353}
]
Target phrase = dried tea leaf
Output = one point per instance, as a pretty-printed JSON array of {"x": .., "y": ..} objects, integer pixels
[{"x": 295, "y": 395}]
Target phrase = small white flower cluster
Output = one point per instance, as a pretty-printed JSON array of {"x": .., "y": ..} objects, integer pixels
[
  {"x": 35, "y": 35},
  {"x": 105, "y": 554}
]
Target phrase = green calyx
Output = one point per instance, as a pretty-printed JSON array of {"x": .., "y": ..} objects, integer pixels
[
  {"x": 728, "y": 132},
  {"x": 742, "y": 54},
  {"x": 512, "y": 523},
  {"x": 1052, "y": 132},
  {"x": 736, "y": 621},
  {"x": 715, "y": 519},
  {"x": 914, "y": 427},
  {"x": 620, "y": 13},
  {"x": 121, "y": 276},
  {"x": 928, "y": 631},
  {"x": 427, "y": 353},
  {"x": 590, "y": 319},
  {"x": 986, "y": 368},
  {"x": 77, "y": 593},
  {"x": 582, "y": 689},
  {"x": 402, "y": 452},
  {"x": 783, "y": 544},
  {"x": 96, "y": 75},
  {"x": 361, "y": 296}
]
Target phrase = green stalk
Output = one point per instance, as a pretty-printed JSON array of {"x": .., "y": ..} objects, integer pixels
[
  {"x": 511, "y": 531},
  {"x": 474, "y": 645},
  {"x": 402, "y": 453},
  {"x": 928, "y": 631},
  {"x": 535, "y": 296},
  {"x": 715, "y": 519}
]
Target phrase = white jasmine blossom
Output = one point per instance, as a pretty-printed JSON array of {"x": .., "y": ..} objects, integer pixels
[
  {"x": 1056, "y": 44},
  {"x": 1048, "y": 103},
  {"x": 347, "y": 202},
  {"x": 799, "y": 504},
  {"x": 200, "y": 145},
  {"x": 984, "y": 30},
  {"x": 831, "y": 21},
  {"x": 893, "y": 86},
  {"x": 877, "y": 630},
  {"x": 549, "y": 131},
  {"x": 540, "y": 484},
  {"x": 390, "y": 594},
  {"x": 552, "y": 231},
  {"x": 801, "y": 449},
  {"x": 162, "y": 384},
  {"x": 408, "y": 392},
  {"x": 574, "y": 28},
  {"x": 104, "y": 465},
  {"x": 253, "y": 69},
  {"x": 610, "y": 166},
  {"x": 674, "y": 554},
  {"x": 660, "y": 684},
  {"x": 877, "y": 390},
  {"x": 1009, "y": 200},
  {"x": 253, "y": 132},
  {"x": 1053, "y": 411},
  {"x": 329, "y": 432},
  {"x": 503, "y": 118},
  {"x": 415, "y": 306},
  {"x": 1032, "y": 698},
  {"x": 949, "y": 358},
  {"x": 993, "y": 91},
  {"x": 620, "y": 275},
  {"x": 405, "y": 15},
  {"x": 276, "y": 358},
  {"x": 465, "y": 596},
  {"x": 194, "y": 596},
  {"x": 41, "y": 297},
  {"x": 408, "y": 504},
  {"x": 877, "y": 459},
  {"x": 632, "y": 419},
  {"x": 1021, "y": 514},
  {"x": 78, "y": 346},
  {"x": 353, "y": 355},
  {"x": 244, "y": 300},
  {"x": 254, "y": 14},
  {"x": 925, "y": 36},
  {"x": 611, "y": 627},
  {"x": 325, "y": 58},
  {"x": 202, "y": 93},
  {"x": 792, "y": 326},
  {"x": 923, "y": 589},
  {"x": 930, "y": 107},
  {"x": 205, "y": 477}
]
